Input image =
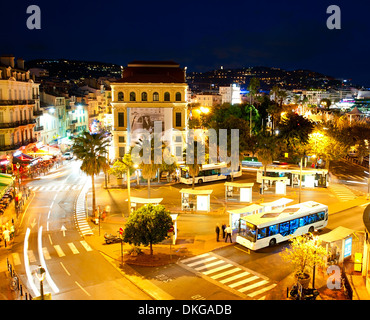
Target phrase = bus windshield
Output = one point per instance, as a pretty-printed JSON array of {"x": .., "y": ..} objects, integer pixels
[{"x": 248, "y": 230}]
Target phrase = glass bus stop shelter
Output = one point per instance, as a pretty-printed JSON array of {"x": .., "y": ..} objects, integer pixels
[
  {"x": 196, "y": 200},
  {"x": 235, "y": 189},
  {"x": 135, "y": 201},
  {"x": 236, "y": 214},
  {"x": 280, "y": 184}
]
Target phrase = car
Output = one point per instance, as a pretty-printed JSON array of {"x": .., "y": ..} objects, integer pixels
[{"x": 68, "y": 156}]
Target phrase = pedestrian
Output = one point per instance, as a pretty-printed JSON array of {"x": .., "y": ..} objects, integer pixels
[
  {"x": 223, "y": 230},
  {"x": 6, "y": 235},
  {"x": 228, "y": 231},
  {"x": 217, "y": 232}
]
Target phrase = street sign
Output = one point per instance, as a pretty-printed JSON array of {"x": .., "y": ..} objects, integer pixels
[{"x": 120, "y": 231}]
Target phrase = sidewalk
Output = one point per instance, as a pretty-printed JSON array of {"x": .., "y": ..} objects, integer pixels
[{"x": 195, "y": 241}]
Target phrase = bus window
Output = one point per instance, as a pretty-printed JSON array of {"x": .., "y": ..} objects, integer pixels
[
  {"x": 294, "y": 224},
  {"x": 284, "y": 228},
  {"x": 273, "y": 230},
  {"x": 184, "y": 174},
  {"x": 321, "y": 215},
  {"x": 303, "y": 221},
  {"x": 312, "y": 218},
  {"x": 261, "y": 233},
  {"x": 250, "y": 232}
]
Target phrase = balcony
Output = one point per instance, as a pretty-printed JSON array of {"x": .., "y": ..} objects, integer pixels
[
  {"x": 15, "y": 124},
  {"x": 16, "y": 102},
  {"x": 74, "y": 121},
  {"x": 39, "y": 128},
  {"x": 37, "y": 113},
  {"x": 16, "y": 146}
]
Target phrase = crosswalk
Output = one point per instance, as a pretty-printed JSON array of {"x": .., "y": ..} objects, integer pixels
[
  {"x": 63, "y": 250},
  {"x": 57, "y": 187},
  {"x": 80, "y": 214},
  {"x": 342, "y": 192},
  {"x": 235, "y": 277}
]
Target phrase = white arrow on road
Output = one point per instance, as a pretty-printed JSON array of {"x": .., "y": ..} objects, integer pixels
[
  {"x": 63, "y": 229},
  {"x": 33, "y": 223}
]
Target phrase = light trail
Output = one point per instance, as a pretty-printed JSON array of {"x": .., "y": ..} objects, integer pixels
[
  {"x": 27, "y": 264},
  {"x": 43, "y": 264}
]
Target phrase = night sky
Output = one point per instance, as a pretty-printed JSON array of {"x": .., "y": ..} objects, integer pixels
[{"x": 201, "y": 35}]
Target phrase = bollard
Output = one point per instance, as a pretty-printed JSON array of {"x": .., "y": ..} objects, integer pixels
[{"x": 21, "y": 289}]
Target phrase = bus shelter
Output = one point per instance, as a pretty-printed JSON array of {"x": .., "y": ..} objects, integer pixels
[
  {"x": 280, "y": 184},
  {"x": 138, "y": 202},
  {"x": 338, "y": 244},
  {"x": 277, "y": 204},
  {"x": 196, "y": 200},
  {"x": 234, "y": 190},
  {"x": 236, "y": 214}
]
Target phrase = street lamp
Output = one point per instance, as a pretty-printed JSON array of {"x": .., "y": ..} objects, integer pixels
[{"x": 40, "y": 274}]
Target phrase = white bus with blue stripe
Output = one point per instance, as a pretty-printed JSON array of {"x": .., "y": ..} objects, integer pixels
[{"x": 265, "y": 229}]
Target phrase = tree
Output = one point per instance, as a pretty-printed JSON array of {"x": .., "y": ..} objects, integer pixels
[
  {"x": 149, "y": 166},
  {"x": 193, "y": 167},
  {"x": 92, "y": 150},
  {"x": 295, "y": 129},
  {"x": 304, "y": 252},
  {"x": 147, "y": 226},
  {"x": 123, "y": 166}
]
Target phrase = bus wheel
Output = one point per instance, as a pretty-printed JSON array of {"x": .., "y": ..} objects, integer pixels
[
  {"x": 200, "y": 181},
  {"x": 311, "y": 229},
  {"x": 272, "y": 242}
]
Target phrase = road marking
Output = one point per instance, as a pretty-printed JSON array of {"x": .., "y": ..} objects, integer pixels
[
  {"x": 46, "y": 253},
  {"x": 255, "y": 293},
  {"x": 82, "y": 289},
  {"x": 236, "y": 284},
  {"x": 31, "y": 256},
  {"x": 242, "y": 250},
  {"x": 201, "y": 261},
  {"x": 73, "y": 248},
  {"x": 85, "y": 245},
  {"x": 51, "y": 242},
  {"x": 206, "y": 266},
  {"x": 59, "y": 250},
  {"x": 65, "y": 269},
  {"x": 239, "y": 275},
  {"x": 220, "y": 275},
  {"x": 217, "y": 269},
  {"x": 194, "y": 258},
  {"x": 252, "y": 286}
]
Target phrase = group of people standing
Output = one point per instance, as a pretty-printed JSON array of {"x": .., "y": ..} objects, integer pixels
[{"x": 226, "y": 232}]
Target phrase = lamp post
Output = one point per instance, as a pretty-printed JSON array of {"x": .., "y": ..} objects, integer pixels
[{"x": 40, "y": 274}]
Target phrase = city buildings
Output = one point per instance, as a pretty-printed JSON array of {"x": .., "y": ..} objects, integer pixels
[
  {"x": 19, "y": 106},
  {"x": 149, "y": 91}
]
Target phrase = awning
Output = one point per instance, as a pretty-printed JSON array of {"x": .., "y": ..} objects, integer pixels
[
  {"x": 196, "y": 192},
  {"x": 6, "y": 181},
  {"x": 247, "y": 209},
  {"x": 145, "y": 200},
  {"x": 239, "y": 185},
  {"x": 277, "y": 203},
  {"x": 336, "y": 234}
]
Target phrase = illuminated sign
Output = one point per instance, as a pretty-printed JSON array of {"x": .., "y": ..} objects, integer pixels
[{"x": 347, "y": 247}]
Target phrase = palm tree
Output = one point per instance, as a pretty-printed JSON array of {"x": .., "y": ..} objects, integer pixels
[
  {"x": 126, "y": 166},
  {"x": 92, "y": 150},
  {"x": 149, "y": 169},
  {"x": 194, "y": 167}
]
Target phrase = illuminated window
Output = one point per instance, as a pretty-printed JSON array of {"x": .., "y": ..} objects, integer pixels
[
  {"x": 178, "y": 96},
  {"x": 144, "y": 96},
  {"x": 120, "y": 96},
  {"x": 166, "y": 96},
  {"x": 155, "y": 96},
  {"x": 132, "y": 96}
]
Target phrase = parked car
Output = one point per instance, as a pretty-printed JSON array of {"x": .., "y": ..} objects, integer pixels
[{"x": 68, "y": 156}]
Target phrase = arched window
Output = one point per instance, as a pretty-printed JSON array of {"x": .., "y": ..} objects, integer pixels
[
  {"x": 166, "y": 96},
  {"x": 155, "y": 96},
  {"x": 178, "y": 96},
  {"x": 132, "y": 96},
  {"x": 120, "y": 96},
  {"x": 144, "y": 96}
]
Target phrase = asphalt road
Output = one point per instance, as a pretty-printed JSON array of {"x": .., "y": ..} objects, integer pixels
[{"x": 73, "y": 269}]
